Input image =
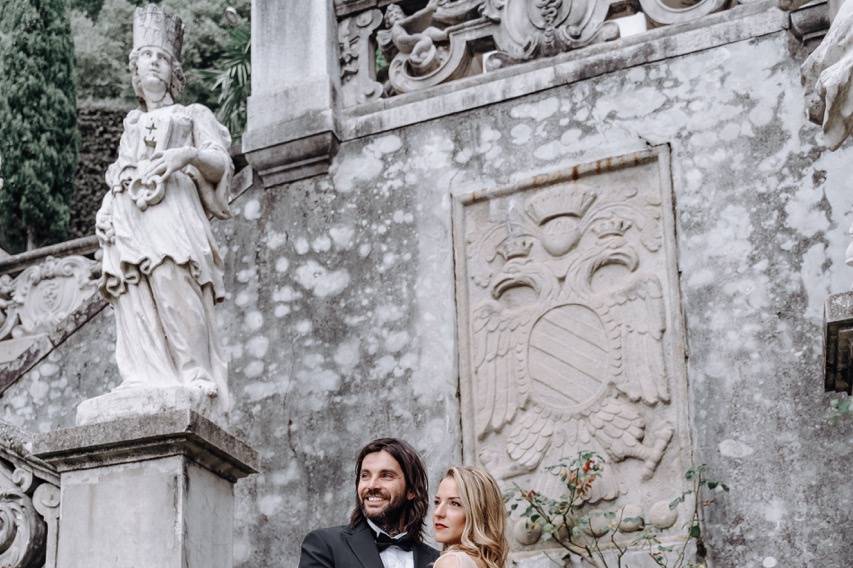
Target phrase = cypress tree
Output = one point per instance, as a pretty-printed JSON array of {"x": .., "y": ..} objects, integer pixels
[{"x": 38, "y": 124}]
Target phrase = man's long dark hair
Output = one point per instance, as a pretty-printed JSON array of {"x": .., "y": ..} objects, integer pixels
[{"x": 415, "y": 510}]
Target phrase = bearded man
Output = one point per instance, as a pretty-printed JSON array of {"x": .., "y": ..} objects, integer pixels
[{"x": 386, "y": 525}]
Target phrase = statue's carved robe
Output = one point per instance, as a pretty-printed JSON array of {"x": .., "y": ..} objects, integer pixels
[{"x": 163, "y": 271}]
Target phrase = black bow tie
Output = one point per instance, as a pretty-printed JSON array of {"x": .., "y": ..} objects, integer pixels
[{"x": 383, "y": 541}]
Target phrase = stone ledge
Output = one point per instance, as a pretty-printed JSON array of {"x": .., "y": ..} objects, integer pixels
[
  {"x": 741, "y": 23},
  {"x": 141, "y": 438},
  {"x": 293, "y": 149}
]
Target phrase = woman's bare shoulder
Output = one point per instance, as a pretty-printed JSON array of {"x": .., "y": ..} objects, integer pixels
[{"x": 455, "y": 559}]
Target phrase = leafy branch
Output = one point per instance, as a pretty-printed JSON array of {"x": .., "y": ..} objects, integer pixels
[{"x": 587, "y": 537}]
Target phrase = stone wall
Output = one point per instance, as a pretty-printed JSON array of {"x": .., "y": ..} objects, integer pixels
[{"x": 341, "y": 320}]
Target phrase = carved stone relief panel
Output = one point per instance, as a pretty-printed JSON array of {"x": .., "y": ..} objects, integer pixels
[
  {"x": 39, "y": 300},
  {"x": 570, "y": 332},
  {"x": 423, "y": 43}
]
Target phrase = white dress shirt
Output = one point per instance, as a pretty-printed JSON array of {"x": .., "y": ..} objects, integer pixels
[{"x": 393, "y": 556}]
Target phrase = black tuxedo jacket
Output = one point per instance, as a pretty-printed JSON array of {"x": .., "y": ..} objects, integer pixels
[{"x": 352, "y": 547}]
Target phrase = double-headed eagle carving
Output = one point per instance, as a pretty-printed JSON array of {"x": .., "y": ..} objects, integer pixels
[{"x": 568, "y": 347}]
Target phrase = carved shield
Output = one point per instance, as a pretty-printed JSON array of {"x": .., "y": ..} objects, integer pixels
[
  {"x": 546, "y": 14},
  {"x": 569, "y": 358}
]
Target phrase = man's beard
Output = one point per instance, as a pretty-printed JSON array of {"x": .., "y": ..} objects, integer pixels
[{"x": 389, "y": 518}]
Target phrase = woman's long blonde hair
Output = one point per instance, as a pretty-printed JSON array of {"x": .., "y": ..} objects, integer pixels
[{"x": 485, "y": 517}]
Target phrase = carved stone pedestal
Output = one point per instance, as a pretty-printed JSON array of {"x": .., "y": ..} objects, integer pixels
[
  {"x": 147, "y": 492},
  {"x": 838, "y": 342},
  {"x": 122, "y": 403}
]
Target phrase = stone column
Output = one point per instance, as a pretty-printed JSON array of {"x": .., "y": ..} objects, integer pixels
[
  {"x": 147, "y": 492},
  {"x": 291, "y": 131}
]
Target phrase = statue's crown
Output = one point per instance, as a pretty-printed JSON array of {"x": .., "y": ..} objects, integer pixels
[{"x": 152, "y": 26}]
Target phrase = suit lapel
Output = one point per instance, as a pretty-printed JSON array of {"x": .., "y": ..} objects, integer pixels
[{"x": 360, "y": 540}]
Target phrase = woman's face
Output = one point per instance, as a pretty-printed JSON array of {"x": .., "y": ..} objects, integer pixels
[
  {"x": 154, "y": 67},
  {"x": 449, "y": 516}
]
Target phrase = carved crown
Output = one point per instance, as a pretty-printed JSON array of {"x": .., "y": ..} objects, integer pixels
[
  {"x": 515, "y": 247},
  {"x": 152, "y": 26},
  {"x": 612, "y": 227},
  {"x": 559, "y": 202}
]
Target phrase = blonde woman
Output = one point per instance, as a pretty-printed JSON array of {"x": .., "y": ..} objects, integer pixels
[{"x": 469, "y": 520}]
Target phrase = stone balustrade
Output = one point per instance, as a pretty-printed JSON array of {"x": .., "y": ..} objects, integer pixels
[{"x": 29, "y": 504}]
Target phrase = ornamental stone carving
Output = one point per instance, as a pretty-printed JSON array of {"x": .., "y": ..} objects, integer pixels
[
  {"x": 29, "y": 505},
  {"x": 431, "y": 42},
  {"x": 569, "y": 329},
  {"x": 358, "y": 58},
  {"x": 40, "y": 298}
]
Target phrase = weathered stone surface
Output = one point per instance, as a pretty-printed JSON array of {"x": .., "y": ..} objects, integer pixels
[
  {"x": 175, "y": 432},
  {"x": 160, "y": 513},
  {"x": 342, "y": 322},
  {"x": 158, "y": 489}
]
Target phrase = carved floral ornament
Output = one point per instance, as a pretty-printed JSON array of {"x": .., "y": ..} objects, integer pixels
[
  {"x": 568, "y": 335},
  {"x": 29, "y": 507},
  {"x": 420, "y": 44},
  {"x": 43, "y": 295}
]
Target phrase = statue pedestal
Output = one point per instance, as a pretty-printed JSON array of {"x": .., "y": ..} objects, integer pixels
[
  {"x": 122, "y": 403},
  {"x": 151, "y": 491}
]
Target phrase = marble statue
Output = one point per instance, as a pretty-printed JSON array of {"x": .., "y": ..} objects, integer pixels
[{"x": 162, "y": 270}]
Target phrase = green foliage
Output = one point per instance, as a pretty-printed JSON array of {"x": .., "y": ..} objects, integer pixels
[
  {"x": 104, "y": 42},
  {"x": 231, "y": 79},
  {"x": 38, "y": 116},
  {"x": 587, "y": 537},
  {"x": 89, "y": 7},
  {"x": 841, "y": 408}
]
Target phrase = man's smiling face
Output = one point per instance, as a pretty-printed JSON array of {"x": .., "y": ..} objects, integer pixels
[{"x": 382, "y": 489}]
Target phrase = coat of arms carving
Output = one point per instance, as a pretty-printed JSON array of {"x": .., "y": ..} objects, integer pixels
[{"x": 569, "y": 328}]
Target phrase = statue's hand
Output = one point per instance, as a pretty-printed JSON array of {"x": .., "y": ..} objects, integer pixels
[
  {"x": 104, "y": 229},
  {"x": 164, "y": 164}
]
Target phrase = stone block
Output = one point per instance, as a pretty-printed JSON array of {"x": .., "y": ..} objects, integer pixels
[
  {"x": 838, "y": 341},
  {"x": 291, "y": 131},
  {"x": 143, "y": 492}
]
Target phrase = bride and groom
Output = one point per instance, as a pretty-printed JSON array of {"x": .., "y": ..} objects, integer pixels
[{"x": 386, "y": 526}]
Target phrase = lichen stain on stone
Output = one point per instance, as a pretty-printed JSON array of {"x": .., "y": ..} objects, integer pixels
[
  {"x": 320, "y": 281},
  {"x": 252, "y": 210},
  {"x": 538, "y": 111},
  {"x": 365, "y": 166}
]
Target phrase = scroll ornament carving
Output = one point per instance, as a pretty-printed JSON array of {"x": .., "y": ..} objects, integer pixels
[
  {"x": 444, "y": 40},
  {"x": 43, "y": 295},
  {"x": 566, "y": 352},
  {"x": 29, "y": 513}
]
